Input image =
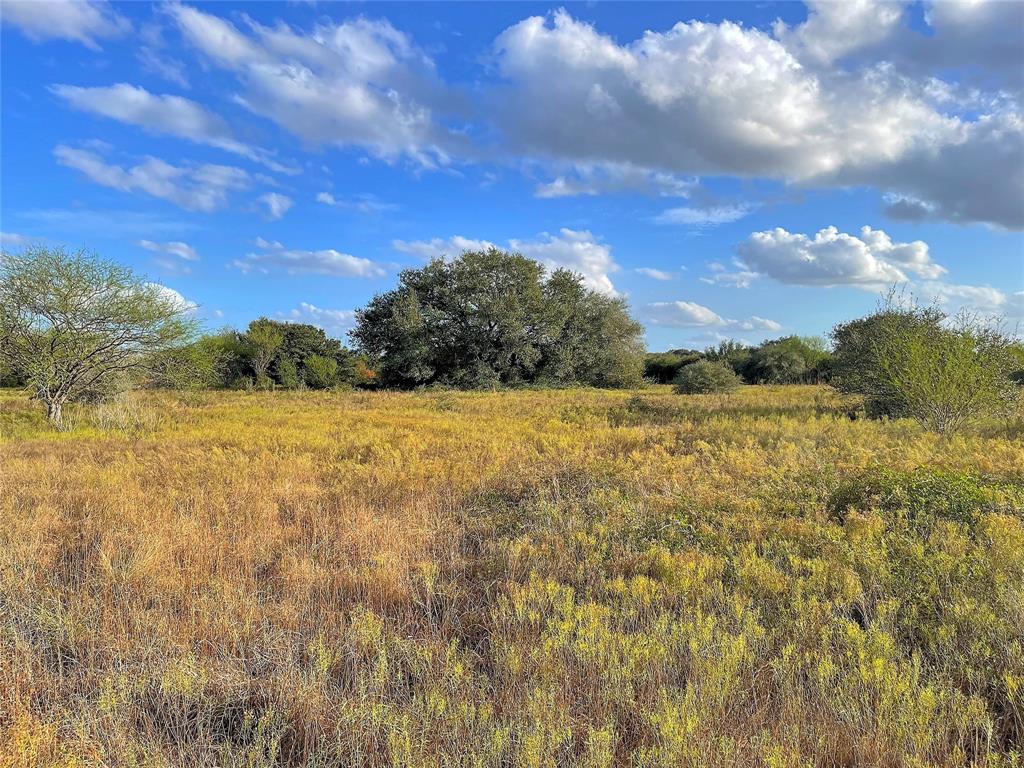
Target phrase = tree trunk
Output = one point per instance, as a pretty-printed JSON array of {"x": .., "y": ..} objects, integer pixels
[{"x": 54, "y": 409}]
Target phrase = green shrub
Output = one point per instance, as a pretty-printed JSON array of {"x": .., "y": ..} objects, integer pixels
[
  {"x": 917, "y": 362},
  {"x": 321, "y": 372},
  {"x": 1017, "y": 363},
  {"x": 261, "y": 341},
  {"x": 9, "y": 377},
  {"x": 789, "y": 360},
  {"x": 950, "y": 378},
  {"x": 735, "y": 354},
  {"x": 207, "y": 363},
  {"x": 705, "y": 377},
  {"x": 287, "y": 373},
  {"x": 921, "y": 497}
]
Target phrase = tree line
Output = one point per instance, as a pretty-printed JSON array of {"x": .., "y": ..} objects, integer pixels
[
  {"x": 268, "y": 354},
  {"x": 788, "y": 360},
  {"x": 75, "y": 327}
]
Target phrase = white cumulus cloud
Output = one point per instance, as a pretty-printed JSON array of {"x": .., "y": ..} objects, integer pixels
[
  {"x": 175, "y": 298},
  {"x": 361, "y": 82},
  {"x": 834, "y": 29},
  {"x": 334, "y": 321},
  {"x": 832, "y": 257},
  {"x": 979, "y": 36},
  {"x": 575, "y": 250},
  {"x": 980, "y": 298},
  {"x": 725, "y": 99}
]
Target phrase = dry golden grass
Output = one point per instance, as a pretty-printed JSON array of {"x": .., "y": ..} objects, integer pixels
[{"x": 537, "y": 578}]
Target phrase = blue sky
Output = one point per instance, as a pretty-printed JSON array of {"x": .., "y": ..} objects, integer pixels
[{"x": 742, "y": 170}]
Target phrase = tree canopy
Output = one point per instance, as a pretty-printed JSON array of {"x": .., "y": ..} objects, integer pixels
[
  {"x": 662, "y": 367},
  {"x": 292, "y": 355},
  {"x": 789, "y": 360},
  {"x": 493, "y": 318},
  {"x": 75, "y": 325}
]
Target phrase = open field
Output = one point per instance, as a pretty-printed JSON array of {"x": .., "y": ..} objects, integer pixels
[{"x": 530, "y": 578}]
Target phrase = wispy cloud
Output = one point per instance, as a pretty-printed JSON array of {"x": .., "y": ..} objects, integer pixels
[
  {"x": 100, "y": 223},
  {"x": 361, "y": 203},
  {"x": 15, "y": 240},
  {"x": 197, "y": 188},
  {"x": 273, "y": 256},
  {"x": 81, "y": 21},
  {"x": 689, "y": 314},
  {"x": 174, "y": 248},
  {"x": 704, "y": 217},
  {"x": 164, "y": 115},
  {"x": 654, "y": 274},
  {"x": 277, "y": 204}
]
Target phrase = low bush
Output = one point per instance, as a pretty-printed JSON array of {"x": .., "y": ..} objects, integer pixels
[
  {"x": 705, "y": 378},
  {"x": 923, "y": 496}
]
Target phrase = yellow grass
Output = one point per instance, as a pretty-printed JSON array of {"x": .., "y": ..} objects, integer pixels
[{"x": 549, "y": 578}]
